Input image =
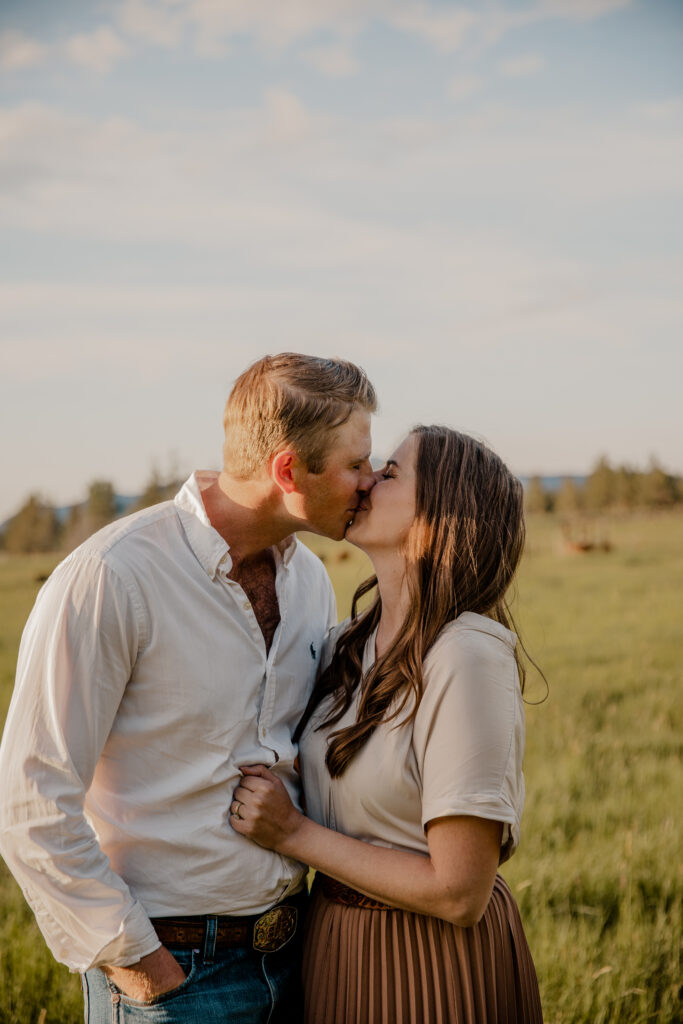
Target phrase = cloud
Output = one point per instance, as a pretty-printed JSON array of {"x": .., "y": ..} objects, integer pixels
[
  {"x": 446, "y": 30},
  {"x": 668, "y": 109},
  {"x": 211, "y": 25},
  {"x": 523, "y": 66},
  {"x": 99, "y": 50},
  {"x": 462, "y": 87},
  {"x": 275, "y": 26},
  {"x": 160, "y": 24},
  {"x": 581, "y": 10},
  {"x": 19, "y": 51},
  {"x": 497, "y": 21},
  {"x": 316, "y": 191},
  {"x": 287, "y": 120},
  {"x": 335, "y": 61}
]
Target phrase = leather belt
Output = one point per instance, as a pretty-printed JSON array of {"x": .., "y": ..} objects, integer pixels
[
  {"x": 336, "y": 892},
  {"x": 266, "y": 933}
]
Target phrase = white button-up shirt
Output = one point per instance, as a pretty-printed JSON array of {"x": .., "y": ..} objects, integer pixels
[{"x": 143, "y": 683}]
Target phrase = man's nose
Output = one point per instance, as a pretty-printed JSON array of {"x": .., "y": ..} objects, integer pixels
[{"x": 367, "y": 481}]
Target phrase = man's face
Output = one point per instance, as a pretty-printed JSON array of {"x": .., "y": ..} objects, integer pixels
[{"x": 329, "y": 499}]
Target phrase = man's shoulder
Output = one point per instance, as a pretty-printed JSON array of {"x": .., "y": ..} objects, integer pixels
[{"x": 121, "y": 541}]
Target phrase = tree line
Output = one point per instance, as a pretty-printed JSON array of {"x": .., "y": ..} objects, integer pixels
[
  {"x": 37, "y": 527},
  {"x": 607, "y": 488}
]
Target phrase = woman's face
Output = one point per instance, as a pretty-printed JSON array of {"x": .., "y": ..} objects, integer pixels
[{"x": 386, "y": 514}]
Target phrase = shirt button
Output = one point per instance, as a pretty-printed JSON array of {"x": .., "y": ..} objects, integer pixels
[{"x": 246, "y": 605}]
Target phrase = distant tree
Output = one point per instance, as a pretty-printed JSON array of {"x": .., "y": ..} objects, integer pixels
[
  {"x": 101, "y": 507},
  {"x": 156, "y": 490},
  {"x": 569, "y": 498},
  {"x": 627, "y": 486},
  {"x": 658, "y": 488},
  {"x": 536, "y": 498},
  {"x": 85, "y": 519},
  {"x": 34, "y": 528},
  {"x": 601, "y": 486},
  {"x": 75, "y": 529},
  {"x": 152, "y": 494}
]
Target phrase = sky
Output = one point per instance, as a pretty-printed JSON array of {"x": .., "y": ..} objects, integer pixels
[{"x": 481, "y": 203}]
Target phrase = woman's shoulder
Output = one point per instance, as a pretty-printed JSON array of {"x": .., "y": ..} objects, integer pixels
[
  {"x": 472, "y": 642},
  {"x": 472, "y": 628}
]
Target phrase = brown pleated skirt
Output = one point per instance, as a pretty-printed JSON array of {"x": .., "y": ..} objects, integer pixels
[{"x": 397, "y": 967}]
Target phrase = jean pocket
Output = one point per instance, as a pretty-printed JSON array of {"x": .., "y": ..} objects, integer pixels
[{"x": 189, "y": 965}]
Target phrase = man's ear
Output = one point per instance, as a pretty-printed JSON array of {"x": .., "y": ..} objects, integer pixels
[{"x": 285, "y": 470}]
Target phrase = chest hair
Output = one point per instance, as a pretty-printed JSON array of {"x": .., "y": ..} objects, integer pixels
[{"x": 257, "y": 580}]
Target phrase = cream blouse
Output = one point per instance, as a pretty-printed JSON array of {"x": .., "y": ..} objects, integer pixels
[{"x": 462, "y": 754}]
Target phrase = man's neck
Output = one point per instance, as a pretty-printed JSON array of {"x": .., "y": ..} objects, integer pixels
[{"x": 246, "y": 513}]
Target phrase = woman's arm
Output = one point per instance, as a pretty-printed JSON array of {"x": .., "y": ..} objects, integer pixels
[{"x": 453, "y": 882}]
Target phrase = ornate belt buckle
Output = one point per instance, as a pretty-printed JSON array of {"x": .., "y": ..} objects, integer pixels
[{"x": 274, "y": 929}]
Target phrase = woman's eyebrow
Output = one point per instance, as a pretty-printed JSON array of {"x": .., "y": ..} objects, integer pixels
[{"x": 392, "y": 462}]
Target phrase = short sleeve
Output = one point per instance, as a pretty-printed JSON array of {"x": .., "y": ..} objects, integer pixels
[{"x": 468, "y": 735}]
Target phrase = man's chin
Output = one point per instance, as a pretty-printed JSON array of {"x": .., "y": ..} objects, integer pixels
[
  {"x": 332, "y": 533},
  {"x": 341, "y": 533},
  {"x": 349, "y": 532}
]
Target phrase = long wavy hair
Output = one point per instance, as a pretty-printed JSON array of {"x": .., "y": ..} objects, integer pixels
[{"x": 461, "y": 554}]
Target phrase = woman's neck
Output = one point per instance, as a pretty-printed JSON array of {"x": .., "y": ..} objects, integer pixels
[{"x": 393, "y": 590}]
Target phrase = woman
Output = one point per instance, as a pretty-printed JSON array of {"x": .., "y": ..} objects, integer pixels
[{"x": 411, "y": 750}]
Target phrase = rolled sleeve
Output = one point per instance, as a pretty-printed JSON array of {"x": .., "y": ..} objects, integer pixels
[{"x": 76, "y": 656}]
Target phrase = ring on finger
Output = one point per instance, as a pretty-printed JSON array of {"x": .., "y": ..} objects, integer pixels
[{"x": 236, "y": 809}]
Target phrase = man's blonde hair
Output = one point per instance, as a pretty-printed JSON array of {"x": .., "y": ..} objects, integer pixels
[{"x": 290, "y": 399}]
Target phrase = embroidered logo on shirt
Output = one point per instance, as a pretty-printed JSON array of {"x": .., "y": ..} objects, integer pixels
[{"x": 313, "y": 652}]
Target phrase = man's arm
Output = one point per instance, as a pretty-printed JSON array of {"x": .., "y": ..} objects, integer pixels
[{"x": 76, "y": 657}]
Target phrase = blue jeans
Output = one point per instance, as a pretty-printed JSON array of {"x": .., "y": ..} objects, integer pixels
[{"x": 240, "y": 986}]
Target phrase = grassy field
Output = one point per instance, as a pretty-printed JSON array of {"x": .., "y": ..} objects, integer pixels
[{"x": 598, "y": 873}]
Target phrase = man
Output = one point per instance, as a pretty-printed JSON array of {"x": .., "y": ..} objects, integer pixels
[{"x": 170, "y": 648}]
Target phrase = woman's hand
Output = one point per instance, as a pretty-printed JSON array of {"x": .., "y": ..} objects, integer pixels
[
  {"x": 453, "y": 881},
  {"x": 262, "y": 810}
]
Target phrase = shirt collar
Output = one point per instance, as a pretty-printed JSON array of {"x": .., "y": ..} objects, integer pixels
[
  {"x": 210, "y": 549},
  {"x": 287, "y": 547},
  {"x": 483, "y": 624}
]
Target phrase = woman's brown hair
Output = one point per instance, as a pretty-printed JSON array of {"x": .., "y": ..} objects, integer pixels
[{"x": 461, "y": 555}]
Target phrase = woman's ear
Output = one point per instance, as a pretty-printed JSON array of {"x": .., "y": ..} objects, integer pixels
[{"x": 284, "y": 470}]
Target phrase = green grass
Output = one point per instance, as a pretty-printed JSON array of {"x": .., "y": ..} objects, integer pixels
[
  {"x": 30, "y": 980},
  {"x": 598, "y": 874}
]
